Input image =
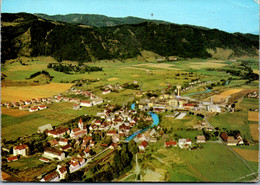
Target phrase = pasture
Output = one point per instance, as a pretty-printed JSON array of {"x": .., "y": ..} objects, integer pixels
[{"x": 215, "y": 167}]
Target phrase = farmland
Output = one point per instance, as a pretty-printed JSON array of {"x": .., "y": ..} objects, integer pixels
[
  {"x": 210, "y": 162},
  {"x": 16, "y": 93}
]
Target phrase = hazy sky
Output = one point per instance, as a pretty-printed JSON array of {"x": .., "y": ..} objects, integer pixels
[{"x": 228, "y": 15}]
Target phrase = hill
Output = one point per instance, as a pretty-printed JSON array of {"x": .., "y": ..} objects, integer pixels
[
  {"x": 28, "y": 35},
  {"x": 96, "y": 20}
]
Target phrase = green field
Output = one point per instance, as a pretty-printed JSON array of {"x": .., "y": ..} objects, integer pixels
[{"x": 213, "y": 163}]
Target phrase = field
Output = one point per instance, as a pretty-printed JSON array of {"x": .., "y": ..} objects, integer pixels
[
  {"x": 212, "y": 163},
  {"x": 220, "y": 98},
  {"x": 14, "y": 112},
  {"x": 254, "y": 129},
  {"x": 16, "y": 93},
  {"x": 249, "y": 155},
  {"x": 253, "y": 116}
]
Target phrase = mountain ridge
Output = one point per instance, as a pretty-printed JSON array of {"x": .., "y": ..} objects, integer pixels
[{"x": 25, "y": 34}]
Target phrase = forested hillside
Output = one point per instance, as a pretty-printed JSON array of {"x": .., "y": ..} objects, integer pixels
[{"x": 27, "y": 35}]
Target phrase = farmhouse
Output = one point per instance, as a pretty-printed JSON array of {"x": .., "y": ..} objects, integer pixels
[
  {"x": 27, "y": 102},
  {"x": 201, "y": 139},
  {"x": 20, "y": 150},
  {"x": 170, "y": 143},
  {"x": 184, "y": 143},
  {"x": 231, "y": 141},
  {"x": 224, "y": 136},
  {"x": 65, "y": 148},
  {"x": 41, "y": 129},
  {"x": 52, "y": 153}
]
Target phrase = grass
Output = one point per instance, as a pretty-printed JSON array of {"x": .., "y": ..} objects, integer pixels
[
  {"x": 215, "y": 167},
  {"x": 26, "y": 127},
  {"x": 24, "y": 163}
]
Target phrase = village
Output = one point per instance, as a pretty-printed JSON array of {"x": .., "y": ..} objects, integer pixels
[{"x": 78, "y": 146}]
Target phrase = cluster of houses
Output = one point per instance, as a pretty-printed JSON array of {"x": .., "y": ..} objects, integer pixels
[
  {"x": 31, "y": 105},
  {"x": 231, "y": 140},
  {"x": 193, "y": 84},
  {"x": 109, "y": 88},
  {"x": 253, "y": 95}
]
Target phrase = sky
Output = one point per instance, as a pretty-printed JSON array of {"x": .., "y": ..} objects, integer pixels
[{"x": 227, "y": 15}]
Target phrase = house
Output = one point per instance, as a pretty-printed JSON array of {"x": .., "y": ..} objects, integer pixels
[
  {"x": 9, "y": 105},
  {"x": 58, "y": 132},
  {"x": 39, "y": 100},
  {"x": 62, "y": 142},
  {"x": 86, "y": 103},
  {"x": 41, "y": 107},
  {"x": 87, "y": 152},
  {"x": 66, "y": 99},
  {"x": 239, "y": 139},
  {"x": 51, "y": 177},
  {"x": 76, "y": 106},
  {"x": 20, "y": 150},
  {"x": 106, "y": 91},
  {"x": 184, "y": 143},
  {"x": 33, "y": 109},
  {"x": 33, "y": 100},
  {"x": 62, "y": 170},
  {"x": 65, "y": 148},
  {"x": 97, "y": 101},
  {"x": 27, "y": 102},
  {"x": 92, "y": 144},
  {"x": 44, "y": 99},
  {"x": 24, "y": 107},
  {"x": 224, "y": 136},
  {"x": 170, "y": 143},
  {"x": 143, "y": 145},
  {"x": 201, "y": 139},
  {"x": 52, "y": 153},
  {"x": 41, "y": 129},
  {"x": 103, "y": 145},
  {"x": 115, "y": 138},
  {"x": 45, "y": 160},
  {"x": 10, "y": 159},
  {"x": 153, "y": 140},
  {"x": 231, "y": 141},
  {"x": 74, "y": 165}
]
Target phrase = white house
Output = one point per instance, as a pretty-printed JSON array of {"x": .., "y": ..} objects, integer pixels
[
  {"x": 33, "y": 109},
  {"x": 97, "y": 101},
  {"x": 62, "y": 171},
  {"x": 86, "y": 104},
  {"x": 20, "y": 150},
  {"x": 184, "y": 143},
  {"x": 52, "y": 153},
  {"x": 106, "y": 91},
  {"x": 74, "y": 166},
  {"x": 41, "y": 107}
]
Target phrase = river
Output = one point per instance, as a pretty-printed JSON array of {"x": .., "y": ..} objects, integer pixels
[{"x": 156, "y": 122}]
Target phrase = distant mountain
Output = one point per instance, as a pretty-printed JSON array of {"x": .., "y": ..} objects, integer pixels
[
  {"x": 28, "y": 35},
  {"x": 96, "y": 20}
]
